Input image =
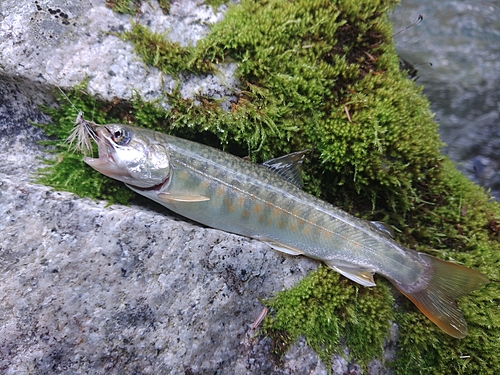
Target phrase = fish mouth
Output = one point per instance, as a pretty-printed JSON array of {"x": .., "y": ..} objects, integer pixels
[{"x": 105, "y": 163}]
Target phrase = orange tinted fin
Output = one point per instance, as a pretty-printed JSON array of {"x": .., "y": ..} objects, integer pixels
[{"x": 436, "y": 299}]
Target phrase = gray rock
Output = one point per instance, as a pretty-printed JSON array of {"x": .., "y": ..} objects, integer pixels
[
  {"x": 123, "y": 289},
  {"x": 87, "y": 288},
  {"x": 59, "y": 43}
]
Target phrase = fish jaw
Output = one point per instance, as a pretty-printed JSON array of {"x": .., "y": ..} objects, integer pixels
[
  {"x": 107, "y": 167},
  {"x": 138, "y": 161},
  {"x": 106, "y": 163}
]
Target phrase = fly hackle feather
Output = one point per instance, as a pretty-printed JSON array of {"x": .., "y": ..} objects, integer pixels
[{"x": 82, "y": 135}]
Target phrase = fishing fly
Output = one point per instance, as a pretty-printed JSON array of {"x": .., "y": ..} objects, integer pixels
[{"x": 80, "y": 139}]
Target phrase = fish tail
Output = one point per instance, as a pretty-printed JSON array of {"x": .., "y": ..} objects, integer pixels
[{"x": 444, "y": 283}]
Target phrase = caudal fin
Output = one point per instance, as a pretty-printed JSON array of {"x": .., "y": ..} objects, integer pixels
[{"x": 447, "y": 281}]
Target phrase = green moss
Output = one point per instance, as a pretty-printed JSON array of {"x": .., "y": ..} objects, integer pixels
[
  {"x": 216, "y": 3},
  {"x": 165, "y": 6},
  {"x": 320, "y": 61},
  {"x": 461, "y": 228},
  {"x": 331, "y": 312},
  {"x": 131, "y": 7},
  {"x": 170, "y": 57},
  {"x": 324, "y": 76}
]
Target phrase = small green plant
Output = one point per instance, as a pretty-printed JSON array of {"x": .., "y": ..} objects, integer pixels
[
  {"x": 216, "y": 3},
  {"x": 170, "y": 57},
  {"x": 131, "y": 7}
]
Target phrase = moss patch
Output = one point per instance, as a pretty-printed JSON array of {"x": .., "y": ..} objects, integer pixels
[
  {"x": 325, "y": 76},
  {"x": 216, "y": 3},
  {"x": 459, "y": 230},
  {"x": 131, "y": 7},
  {"x": 170, "y": 57},
  {"x": 331, "y": 312},
  {"x": 333, "y": 71}
]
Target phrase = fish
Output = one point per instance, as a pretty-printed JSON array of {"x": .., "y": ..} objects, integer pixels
[{"x": 266, "y": 202}]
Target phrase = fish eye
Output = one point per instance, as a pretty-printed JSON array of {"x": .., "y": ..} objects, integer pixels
[{"x": 121, "y": 137}]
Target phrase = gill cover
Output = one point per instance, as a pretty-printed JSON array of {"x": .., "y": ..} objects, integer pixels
[{"x": 128, "y": 156}]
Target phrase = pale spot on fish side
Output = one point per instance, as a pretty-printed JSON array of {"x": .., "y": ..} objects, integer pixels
[
  {"x": 183, "y": 175},
  {"x": 228, "y": 204},
  {"x": 265, "y": 219},
  {"x": 356, "y": 245},
  {"x": 282, "y": 223},
  {"x": 241, "y": 201},
  {"x": 205, "y": 184},
  {"x": 276, "y": 216},
  {"x": 219, "y": 192},
  {"x": 275, "y": 212},
  {"x": 257, "y": 208},
  {"x": 327, "y": 234}
]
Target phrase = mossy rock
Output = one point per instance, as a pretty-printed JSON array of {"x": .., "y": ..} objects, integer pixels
[{"x": 325, "y": 76}]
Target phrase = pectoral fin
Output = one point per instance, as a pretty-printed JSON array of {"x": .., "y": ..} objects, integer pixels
[
  {"x": 360, "y": 275},
  {"x": 170, "y": 198}
]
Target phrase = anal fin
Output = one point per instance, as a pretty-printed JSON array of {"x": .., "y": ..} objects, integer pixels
[
  {"x": 360, "y": 275},
  {"x": 280, "y": 247}
]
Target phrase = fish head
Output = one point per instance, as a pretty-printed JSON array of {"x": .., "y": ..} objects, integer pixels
[{"x": 129, "y": 155}]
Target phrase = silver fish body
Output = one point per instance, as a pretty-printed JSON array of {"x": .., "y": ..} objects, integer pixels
[
  {"x": 248, "y": 199},
  {"x": 228, "y": 193}
]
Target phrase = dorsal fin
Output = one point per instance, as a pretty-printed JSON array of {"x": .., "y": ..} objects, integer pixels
[
  {"x": 288, "y": 167},
  {"x": 382, "y": 228}
]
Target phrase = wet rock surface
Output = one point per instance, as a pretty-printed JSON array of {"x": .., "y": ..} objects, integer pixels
[{"x": 462, "y": 42}]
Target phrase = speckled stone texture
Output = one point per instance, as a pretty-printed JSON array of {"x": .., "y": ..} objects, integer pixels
[
  {"x": 126, "y": 289},
  {"x": 87, "y": 288},
  {"x": 63, "y": 43},
  {"x": 91, "y": 289}
]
